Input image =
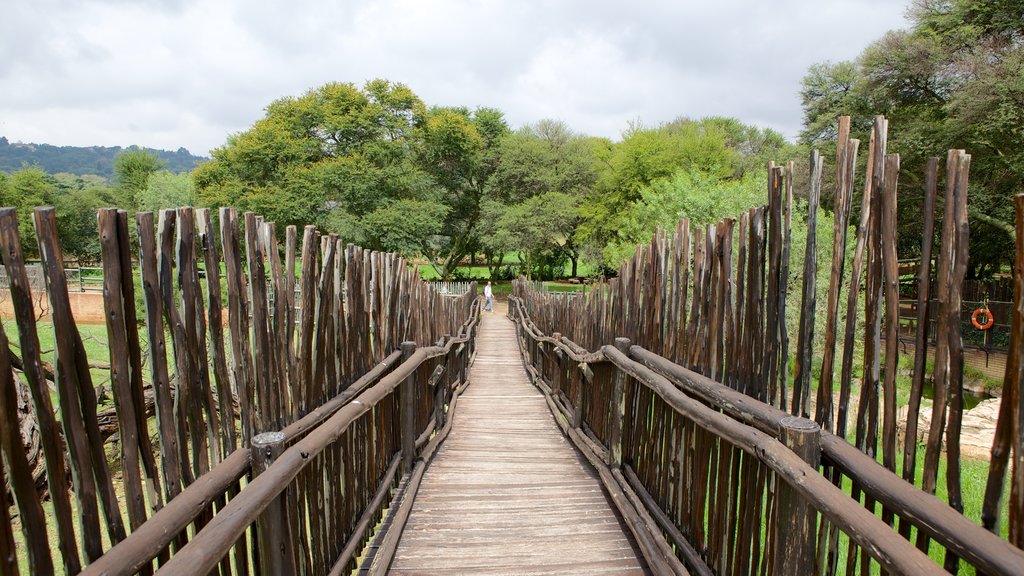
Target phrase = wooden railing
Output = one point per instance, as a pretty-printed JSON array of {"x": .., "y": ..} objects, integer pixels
[
  {"x": 726, "y": 484},
  {"x": 213, "y": 388},
  {"x": 732, "y": 301}
]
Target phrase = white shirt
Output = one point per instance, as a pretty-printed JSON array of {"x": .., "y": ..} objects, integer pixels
[{"x": 487, "y": 291}]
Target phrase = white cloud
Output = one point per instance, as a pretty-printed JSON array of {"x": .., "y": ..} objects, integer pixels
[{"x": 188, "y": 73}]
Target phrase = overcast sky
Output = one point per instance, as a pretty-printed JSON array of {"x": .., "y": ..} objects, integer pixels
[{"x": 171, "y": 73}]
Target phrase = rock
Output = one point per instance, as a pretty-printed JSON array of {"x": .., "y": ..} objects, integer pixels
[{"x": 976, "y": 432}]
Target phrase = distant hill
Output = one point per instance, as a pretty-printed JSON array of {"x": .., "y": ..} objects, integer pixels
[{"x": 82, "y": 160}]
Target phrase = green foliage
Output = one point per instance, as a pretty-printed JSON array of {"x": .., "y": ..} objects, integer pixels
[
  {"x": 698, "y": 155},
  {"x": 76, "y": 221},
  {"x": 703, "y": 198},
  {"x": 133, "y": 169},
  {"x": 26, "y": 189},
  {"x": 550, "y": 171},
  {"x": 954, "y": 79},
  {"x": 165, "y": 189}
]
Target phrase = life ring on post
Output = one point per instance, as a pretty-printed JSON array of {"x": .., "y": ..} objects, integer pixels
[{"x": 987, "y": 315}]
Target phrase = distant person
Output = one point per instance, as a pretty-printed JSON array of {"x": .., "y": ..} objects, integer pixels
[{"x": 489, "y": 295}]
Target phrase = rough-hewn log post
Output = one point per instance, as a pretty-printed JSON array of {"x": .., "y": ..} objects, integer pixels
[
  {"x": 273, "y": 527},
  {"x": 618, "y": 407},
  {"x": 556, "y": 371},
  {"x": 407, "y": 399},
  {"x": 795, "y": 519},
  {"x": 577, "y": 401},
  {"x": 440, "y": 384}
]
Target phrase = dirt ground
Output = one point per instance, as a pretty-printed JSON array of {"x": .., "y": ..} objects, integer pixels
[{"x": 87, "y": 307}]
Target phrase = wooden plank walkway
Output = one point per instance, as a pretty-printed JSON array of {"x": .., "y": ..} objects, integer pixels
[{"x": 507, "y": 493}]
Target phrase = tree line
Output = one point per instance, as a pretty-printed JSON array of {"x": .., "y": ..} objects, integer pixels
[
  {"x": 380, "y": 168},
  {"x": 448, "y": 184}
]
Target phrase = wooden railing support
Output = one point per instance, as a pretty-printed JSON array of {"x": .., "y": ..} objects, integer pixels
[
  {"x": 407, "y": 409},
  {"x": 556, "y": 367},
  {"x": 273, "y": 527},
  {"x": 440, "y": 385},
  {"x": 796, "y": 519},
  {"x": 618, "y": 408},
  {"x": 577, "y": 401}
]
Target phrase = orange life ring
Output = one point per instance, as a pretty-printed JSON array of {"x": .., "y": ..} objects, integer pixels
[{"x": 989, "y": 319}]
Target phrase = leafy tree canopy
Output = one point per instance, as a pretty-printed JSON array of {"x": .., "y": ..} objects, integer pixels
[{"x": 953, "y": 79}]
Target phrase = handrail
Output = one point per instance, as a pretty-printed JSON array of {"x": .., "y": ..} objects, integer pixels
[
  {"x": 970, "y": 541},
  {"x": 205, "y": 551},
  {"x": 153, "y": 536},
  {"x": 672, "y": 382},
  {"x": 893, "y": 553}
]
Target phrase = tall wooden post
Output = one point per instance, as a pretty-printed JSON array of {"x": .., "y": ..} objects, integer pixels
[
  {"x": 407, "y": 398},
  {"x": 273, "y": 526},
  {"x": 618, "y": 407},
  {"x": 556, "y": 363},
  {"x": 795, "y": 521}
]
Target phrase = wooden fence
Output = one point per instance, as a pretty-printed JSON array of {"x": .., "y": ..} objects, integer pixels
[
  {"x": 698, "y": 322},
  {"x": 230, "y": 396}
]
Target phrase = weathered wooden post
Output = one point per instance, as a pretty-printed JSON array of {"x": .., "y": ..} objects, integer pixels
[
  {"x": 556, "y": 362},
  {"x": 584, "y": 376},
  {"x": 273, "y": 526},
  {"x": 618, "y": 408},
  {"x": 407, "y": 399},
  {"x": 796, "y": 520},
  {"x": 440, "y": 385}
]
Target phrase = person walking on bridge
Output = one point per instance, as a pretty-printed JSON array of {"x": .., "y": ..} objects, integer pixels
[{"x": 489, "y": 295}]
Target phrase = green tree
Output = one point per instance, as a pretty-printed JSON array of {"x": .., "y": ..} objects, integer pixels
[
  {"x": 166, "y": 190},
  {"x": 547, "y": 160},
  {"x": 459, "y": 149},
  {"x": 714, "y": 150},
  {"x": 133, "y": 169},
  {"x": 76, "y": 221},
  {"x": 331, "y": 156},
  {"x": 953, "y": 79},
  {"x": 26, "y": 189}
]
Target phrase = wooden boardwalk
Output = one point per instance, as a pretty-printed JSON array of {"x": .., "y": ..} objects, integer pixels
[{"x": 507, "y": 493}]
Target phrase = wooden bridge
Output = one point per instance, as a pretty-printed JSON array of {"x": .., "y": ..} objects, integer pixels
[{"x": 347, "y": 417}]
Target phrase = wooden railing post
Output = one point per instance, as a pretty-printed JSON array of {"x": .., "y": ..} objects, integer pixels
[
  {"x": 618, "y": 408},
  {"x": 795, "y": 519},
  {"x": 556, "y": 363},
  {"x": 407, "y": 399},
  {"x": 440, "y": 387},
  {"x": 273, "y": 526},
  {"x": 577, "y": 401}
]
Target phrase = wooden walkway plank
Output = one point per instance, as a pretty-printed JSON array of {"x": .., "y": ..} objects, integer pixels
[{"x": 507, "y": 493}]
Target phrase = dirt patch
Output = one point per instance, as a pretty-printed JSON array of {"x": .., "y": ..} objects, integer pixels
[{"x": 86, "y": 307}]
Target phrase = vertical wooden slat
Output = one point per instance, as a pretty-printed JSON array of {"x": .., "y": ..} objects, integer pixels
[
  {"x": 805, "y": 335},
  {"x": 892, "y": 309},
  {"x": 1016, "y": 398},
  {"x": 215, "y": 326},
  {"x": 119, "y": 368},
  {"x": 162, "y": 393},
  {"x": 82, "y": 466},
  {"x": 238, "y": 321},
  {"x": 131, "y": 323},
  {"x": 19, "y": 476},
  {"x": 846, "y": 162},
  {"x": 956, "y": 350},
  {"x": 921, "y": 329}
]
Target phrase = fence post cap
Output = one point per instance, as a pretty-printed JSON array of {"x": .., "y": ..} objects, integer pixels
[
  {"x": 799, "y": 424},
  {"x": 267, "y": 438}
]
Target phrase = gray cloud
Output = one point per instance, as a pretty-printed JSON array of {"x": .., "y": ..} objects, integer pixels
[{"x": 169, "y": 73}]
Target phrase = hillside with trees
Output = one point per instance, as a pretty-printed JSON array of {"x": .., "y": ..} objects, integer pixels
[{"x": 85, "y": 160}]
